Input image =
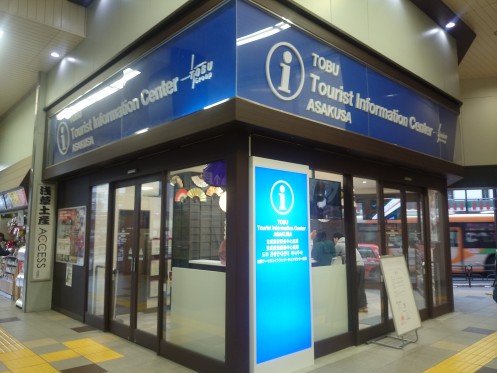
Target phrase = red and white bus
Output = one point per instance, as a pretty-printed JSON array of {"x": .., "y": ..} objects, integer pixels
[{"x": 472, "y": 243}]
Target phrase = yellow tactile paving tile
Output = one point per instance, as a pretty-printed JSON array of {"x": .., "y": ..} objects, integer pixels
[
  {"x": 16, "y": 355},
  {"x": 24, "y": 363},
  {"x": 42, "y": 368},
  {"x": 20, "y": 359},
  {"x": 59, "y": 355},
  {"x": 103, "y": 356},
  {"x": 470, "y": 359},
  {"x": 92, "y": 350}
]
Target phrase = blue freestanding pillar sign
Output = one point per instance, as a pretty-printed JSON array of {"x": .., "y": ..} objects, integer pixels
[{"x": 281, "y": 314}]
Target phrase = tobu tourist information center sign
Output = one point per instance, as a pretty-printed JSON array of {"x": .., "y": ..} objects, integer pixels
[
  {"x": 239, "y": 50},
  {"x": 280, "y": 282}
]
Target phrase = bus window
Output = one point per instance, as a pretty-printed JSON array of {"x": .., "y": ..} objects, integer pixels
[{"x": 454, "y": 239}]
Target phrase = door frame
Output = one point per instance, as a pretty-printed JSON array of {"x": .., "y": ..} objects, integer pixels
[
  {"x": 404, "y": 189},
  {"x": 131, "y": 332}
]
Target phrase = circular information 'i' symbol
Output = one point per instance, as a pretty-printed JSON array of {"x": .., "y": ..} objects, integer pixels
[
  {"x": 63, "y": 138},
  {"x": 282, "y": 197},
  {"x": 284, "y": 54}
]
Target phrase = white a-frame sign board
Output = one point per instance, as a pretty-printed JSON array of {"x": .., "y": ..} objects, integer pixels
[{"x": 400, "y": 296}]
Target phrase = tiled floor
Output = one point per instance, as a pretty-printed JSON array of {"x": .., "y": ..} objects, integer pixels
[
  {"x": 460, "y": 342},
  {"x": 463, "y": 341}
]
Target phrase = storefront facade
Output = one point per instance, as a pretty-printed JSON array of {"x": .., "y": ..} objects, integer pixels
[{"x": 177, "y": 152}]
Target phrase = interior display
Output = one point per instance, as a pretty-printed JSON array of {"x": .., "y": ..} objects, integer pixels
[
  {"x": 215, "y": 173},
  {"x": 3, "y": 206},
  {"x": 180, "y": 195},
  {"x": 198, "y": 194},
  {"x": 222, "y": 201},
  {"x": 214, "y": 190},
  {"x": 176, "y": 180},
  {"x": 198, "y": 181},
  {"x": 13, "y": 199},
  {"x": 21, "y": 255},
  {"x": 8, "y": 274},
  {"x": 198, "y": 220},
  {"x": 8, "y": 202},
  {"x": 325, "y": 198}
]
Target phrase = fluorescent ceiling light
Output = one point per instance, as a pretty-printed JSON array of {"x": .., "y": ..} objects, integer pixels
[
  {"x": 450, "y": 25},
  {"x": 68, "y": 112},
  {"x": 261, "y": 34}
]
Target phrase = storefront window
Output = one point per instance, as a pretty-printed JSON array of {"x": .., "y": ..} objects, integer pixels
[
  {"x": 97, "y": 249},
  {"x": 195, "y": 288},
  {"x": 368, "y": 244},
  {"x": 437, "y": 241},
  {"x": 329, "y": 276},
  {"x": 416, "y": 246}
]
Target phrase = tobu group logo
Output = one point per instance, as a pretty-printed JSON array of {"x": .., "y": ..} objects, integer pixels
[
  {"x": 63, "y": 139},
  {"x": 282, "y": 197},
  {"x": 285, "y": 71}
]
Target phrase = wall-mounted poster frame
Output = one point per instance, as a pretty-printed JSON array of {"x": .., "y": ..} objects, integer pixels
[{"x": 71, "y": 227}]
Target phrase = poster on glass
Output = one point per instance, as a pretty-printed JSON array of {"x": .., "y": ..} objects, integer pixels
[{"x": 71, "y": 223}]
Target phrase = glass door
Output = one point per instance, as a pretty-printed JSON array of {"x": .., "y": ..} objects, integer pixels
[
  {"x": 404, "y": 231},
  {"x": 371, "y": 296},
  {"x": 136, "y": 243}
]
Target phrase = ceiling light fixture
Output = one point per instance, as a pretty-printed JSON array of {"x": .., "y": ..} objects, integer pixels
[
  {"x": 450, "y": 25},
  {"x": 55, "y": 54}
]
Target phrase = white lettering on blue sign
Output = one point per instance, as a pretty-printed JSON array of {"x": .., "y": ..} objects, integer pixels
[
  {"x": 332, "y": 100},
  {"x": 164, "y": 89},
  {"x": 200, "y": 72},
  {"x": 282, "y": 197},
  {"x": 63, "y": 139},
  {"x": 441, "y": 136}
]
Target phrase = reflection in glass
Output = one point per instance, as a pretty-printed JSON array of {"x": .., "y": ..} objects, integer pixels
[
  {"x": 195, "y": 285},
  {"x": 368, "y": 246},
  {"x": 123, "y": 254},
  {"x": 415, "y": 246},
  {"x": 437, "y": 240},
  {"x": 97, "y": 249},
  {"x": 329, "y": 276},
  {"x": 148, "y": 257}
]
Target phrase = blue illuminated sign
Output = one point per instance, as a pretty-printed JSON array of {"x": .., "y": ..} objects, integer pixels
[
  {"x": 240, "y": 50},
  {"x": 282, "y": 67},
  {"x": 282, "y": 267},
  {"x": 193, "y": 70}
]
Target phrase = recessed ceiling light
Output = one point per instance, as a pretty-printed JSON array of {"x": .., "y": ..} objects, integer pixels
[
  {"x": 450, "y": 25},
  {"x": 55, "y": 54}
]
